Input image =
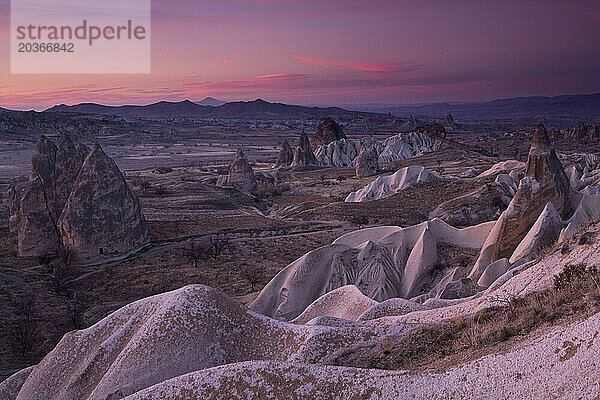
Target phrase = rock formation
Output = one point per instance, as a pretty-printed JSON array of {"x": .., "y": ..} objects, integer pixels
[
  {"x": 303, "y": 155},
  {"x": 71, "y": 183},
  {"x": 367, "y": 161},
  {"x": 542, "y": 234},
  {"x": 385, "y": 186},
  {"x": 503, "y": 167},
  {"x": 583, "y": 131},
  {"x": 383, "y": 262},
  {"x": 102, "y": 217},
  {"x": 435, "y": 130},
  {"x": 241, "y": 174},
  {"x": 341, "y": 153},
  {"x": 328, "y": 131},
  {"x": 406, "y": 145},
  {"x": 545, "y": 182},
  {"x": 449, "y": 122},
  {"x": 285, "y": 158}
]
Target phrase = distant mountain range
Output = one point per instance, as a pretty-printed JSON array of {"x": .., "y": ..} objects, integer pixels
[
  {"x": 559, "y": 110},
  {"x": 566, "y": 108},
  {"x": 257, "y": 109},
  {"x": 211, "y": 101}
]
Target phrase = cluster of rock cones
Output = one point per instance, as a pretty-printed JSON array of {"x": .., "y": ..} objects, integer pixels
[{"x": 76, "y": 204}]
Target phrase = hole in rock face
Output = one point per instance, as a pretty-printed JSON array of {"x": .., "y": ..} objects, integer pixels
[{"x": 101, "y": 250}]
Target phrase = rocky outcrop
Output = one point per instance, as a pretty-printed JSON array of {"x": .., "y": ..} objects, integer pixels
[
  {"x": 385, "y": 186},
  {"x": 435, "y": 130},
  {"x": 449, "y": 122},
  {"x": 54, "y": 169},
  {"x": 285, "y": 158},
  {"x": 367, "y": 161},
  {"x": 76, "y": 199},
  {"x": 241, "y": 174},
  {"x": 544, "y": 182},
  {"x": 406, "y": 145},
  {"x": 102, "y": 217},
  {"x": 303, "y": 155},
  {"x": 14, "y": 194},
  {"x": 542, "y": 234},
  {"x": 463, "y": 287},
  {"x": 583, "y": 131},
  {"x": 341, "y": 153},
  {"x": 382, "y": 262},
  {"x": 328, "y": 131},
  {"x": 503, "y": 167}
]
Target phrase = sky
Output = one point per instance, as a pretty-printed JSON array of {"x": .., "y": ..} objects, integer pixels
[{"x": 339, "y": 52}]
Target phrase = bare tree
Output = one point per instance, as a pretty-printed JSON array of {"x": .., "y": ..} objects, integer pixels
[
  {"x": 24, "y": 330},
  {"x": 253, "y": 274},
  {"x": 58, "y": 281},
  {"x": 196, "y": 253},
  {"x": 216, "y": 246},
  {"x": 74, "y": 308}
]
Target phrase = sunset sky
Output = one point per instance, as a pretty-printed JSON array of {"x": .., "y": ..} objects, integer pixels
[{"x": 340, "y": 52}]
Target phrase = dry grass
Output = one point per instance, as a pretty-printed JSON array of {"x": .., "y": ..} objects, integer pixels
[{"x": 576, "y": 294}]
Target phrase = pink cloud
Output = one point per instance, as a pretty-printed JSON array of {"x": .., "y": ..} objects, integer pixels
[
  {"x": 355, "y": 66},
  {"x": 226, "y": 61}
]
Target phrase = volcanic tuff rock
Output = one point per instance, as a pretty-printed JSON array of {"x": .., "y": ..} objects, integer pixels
[
  {"x": 366, "y": 163},
  {"x": 341, "y": 153},
  {"x": 54, "y": 169},
  {"x": 406, "y": 145},
  {"x": 71, "y": 202},
  {"x": 102, "y": 216},
  {"x": 241, "y": 174},
  {"x": 328, "y": 131},
  {"x": 303, "y": 154},
  {"x": 385, "y": 186},
  {"x": 449, "y": 122},
  {"x": 545, "y": 181},
  {"x": 285, "y": 158},
  {"x": 435, "y": 130},
  {"x": 589, "y": 131}
]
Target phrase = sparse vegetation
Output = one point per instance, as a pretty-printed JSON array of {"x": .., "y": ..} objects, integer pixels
[
  {"x": 575, "y": 293},
  {"x": 253, "y": 274}
]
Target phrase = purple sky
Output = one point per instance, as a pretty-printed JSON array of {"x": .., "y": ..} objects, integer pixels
[{"x": 341, "y": 52}]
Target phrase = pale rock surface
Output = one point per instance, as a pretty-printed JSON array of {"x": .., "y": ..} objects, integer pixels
[
  {"x": 391, "y": 307},
  {"x": 383, "y": 262},
  {"x": 406, "y": 145},
  {"x": 587, "y": 212},
  {"x": 172, "y": 334},
  {"x": 241, "y": 174},
  {"x": 102, "y": 217},
  {"x": 198, "y": 343},
  {"x": 10, "y": 387},
  {"x": 585, "y": 174},
  {"x": 346, "y": 302},
  {"x": 340, "y": 153},
  {"x": 385, "y": 186},
  {"x": 502, "y": 167},
  {"x": 555, "y": 363},
  {"x": 542, "y": 234},
  {"x": 463, "y": 287},
  {"x": 545, "y": 181},
  {"x": 493, "y": 271}
]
